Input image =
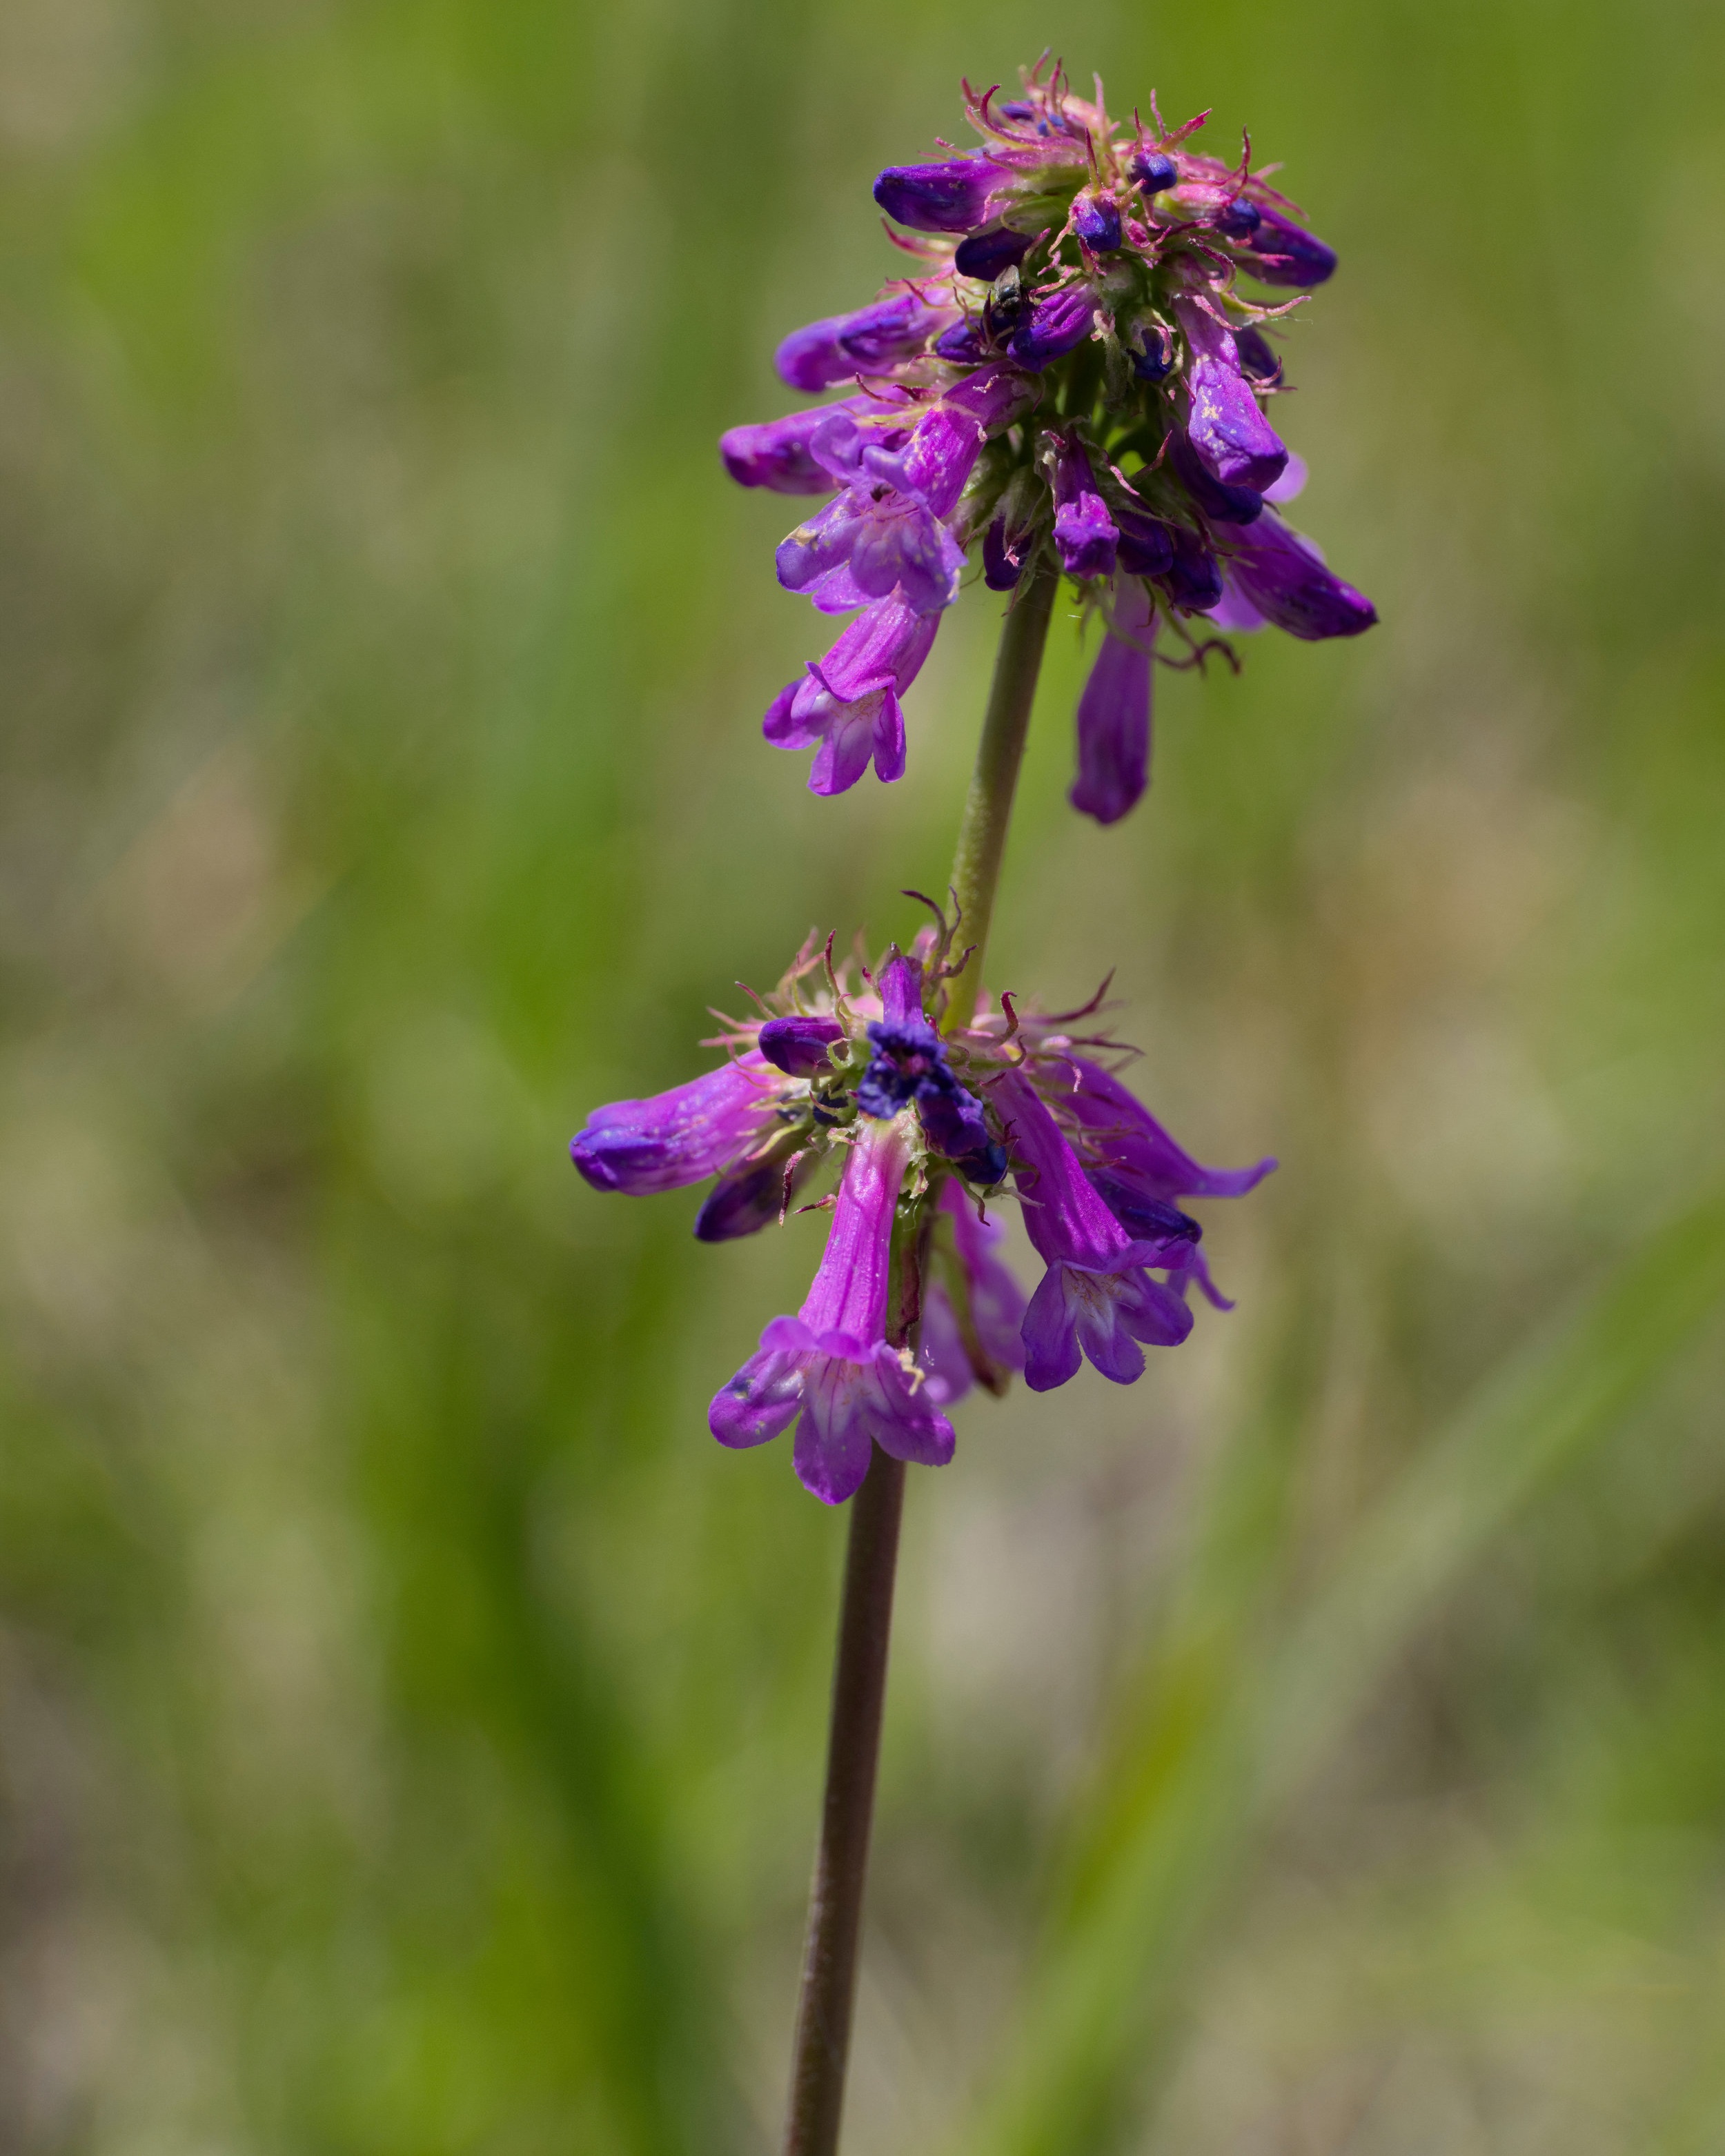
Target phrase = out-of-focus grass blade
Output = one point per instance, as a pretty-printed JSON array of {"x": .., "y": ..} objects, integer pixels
[{"x": 1222, "y": 1732}]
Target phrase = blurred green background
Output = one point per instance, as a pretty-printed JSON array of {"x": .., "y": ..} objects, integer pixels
[{"x": 410, "y": 1723}]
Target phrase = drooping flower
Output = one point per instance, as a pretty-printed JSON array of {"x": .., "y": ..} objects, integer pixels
[
  {"x": 1096, "y": 1301},
  {"x": 1227, "y": 429},
  {"x": 830, "y": 1368},
  {"x": 1283, "y": 577},
  {"x": 673, "y": 1139},
  {"x": 846, "y": 708},
  {"x": 1114, "y": 710}
]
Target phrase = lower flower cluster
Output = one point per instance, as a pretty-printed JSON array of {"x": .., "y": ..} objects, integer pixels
[{"x": 912, "y": 1304}]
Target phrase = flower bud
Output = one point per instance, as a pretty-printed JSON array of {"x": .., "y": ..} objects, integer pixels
[
  {"x": 1192, "y": 580},
  {"x": 1238, "y": 219},
  {"x": 1095, "y": 219},
  {"x": 952, "y": 197},
  {"x": 1259, "y": 362},
  {"x": 985, "y": 254},
  {"x": 797, "y": 1045},
  {"x": 873, "y": 337},
  {"x": 1284, "y": 252},
  {"x": 1153, "y": 170}
]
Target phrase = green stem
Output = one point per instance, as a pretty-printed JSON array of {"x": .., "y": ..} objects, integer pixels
[{"x": 988, "y": 807}]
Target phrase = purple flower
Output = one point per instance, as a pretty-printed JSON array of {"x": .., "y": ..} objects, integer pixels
[
  {"x": 871, "y": 541},
  {"x": 1238, "y": 219},
  {"x": 776, "y": 453},
  {"x": 831, "y": 1364},
  {"x": 1052, "y": 327},
  {"x": 1227, "y": 504},
  {"x": 1283, "y": 252},
  {"x": 1123, "y": 1137},
  {"x": 985, "y": 254},
  {"x": 847, "y": 707},
  {"x": 866, "y": 342},
  {"x": 1085, "y": 533},
  {"x": 1192, "y": 580},
  {"x": 1096, "y": 219},
  {"x": 673, "y": 1139},
  {"x": 1282, "y": 575},
  {"x": 1114, "y": 710},
  {"x": 797, "y": 1045},
  {"x": 745, "y": 1199},
  {"x": 952, "y": 197},
  {"x": 972, "y": 1309},
  {"x": 1153, "y": 170},
  {"x": 1228, "y": 430},
  {"x": 910, "y": 1066},
  {"x": 1096, "y": 1298},
  {"x": 1146, "y": 547}
]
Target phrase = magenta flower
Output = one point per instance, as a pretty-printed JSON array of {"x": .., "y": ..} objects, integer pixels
[
  {"x": 972, "y": 1327},
  {"x": 830, "y": 1365},
  {"x": 671, "y": 1140},
  {"x": 1095, "y": 1300},
  {"x": 1228, "y": 432},
  {"x": 1114, "y": 710},
  {"x": 847, "y": 709}
]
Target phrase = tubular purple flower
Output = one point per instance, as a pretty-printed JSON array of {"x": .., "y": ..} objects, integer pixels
[
  {"x": 1227, "y": 504},
  {"x": 985, "y": 254},
  {"x": 1052, "y": 327},
  {"x": 1114, "y": 710},
  {"x": 776, "y": 454},
  {"x": 1228, "y": 430},
  {"x": 1146, "y": 548},
  {"x": 831, "y": 1364},
  {"x": 951, "y": 197},
  {"x": 1192, "y": 580},
  {"x": 1280, "y": 252},
  {"x": 1086, "y": 536},
  {"x": 671, "y": 1140},
  {"x": 863, "y": 342},
  {"x": 847, "y": 708},
  {"x": 869, "y": 543},
  {"x": 797, "y": 1045},
  {"x": 1095, "y": 1300},
  {"x": 971, "y": 1333},
  {"x": 1122, "y": 1136},
  {"x": 1282, "y": 575}
]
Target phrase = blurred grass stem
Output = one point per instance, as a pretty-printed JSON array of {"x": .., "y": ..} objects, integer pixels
[{"x": 988, "y": 807}]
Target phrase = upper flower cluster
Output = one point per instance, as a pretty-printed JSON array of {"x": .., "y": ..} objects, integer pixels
[
  {"x": 849, "y": 1063},
  {"x": 1073, "y": 376}
]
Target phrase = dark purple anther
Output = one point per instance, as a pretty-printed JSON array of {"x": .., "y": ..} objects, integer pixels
[
  {"x": 952, "y": 197},
  {"x": 1153, "y": 170},
  {"x": 1222, "y": 504},
  {"x": 1095, "y": 219},
  {"x": 1192, "y": 580},
  {"x": 985, "y": 254},
  {"x": 799, "y": 1045},
  {"x": 1053, "y": 327},
  {"x": 1284, "y": 252},
  {"x": 1001, "y": 569},
  {"x": 1238, "y": 219},
  {"x": 1259, "y": 362}
]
